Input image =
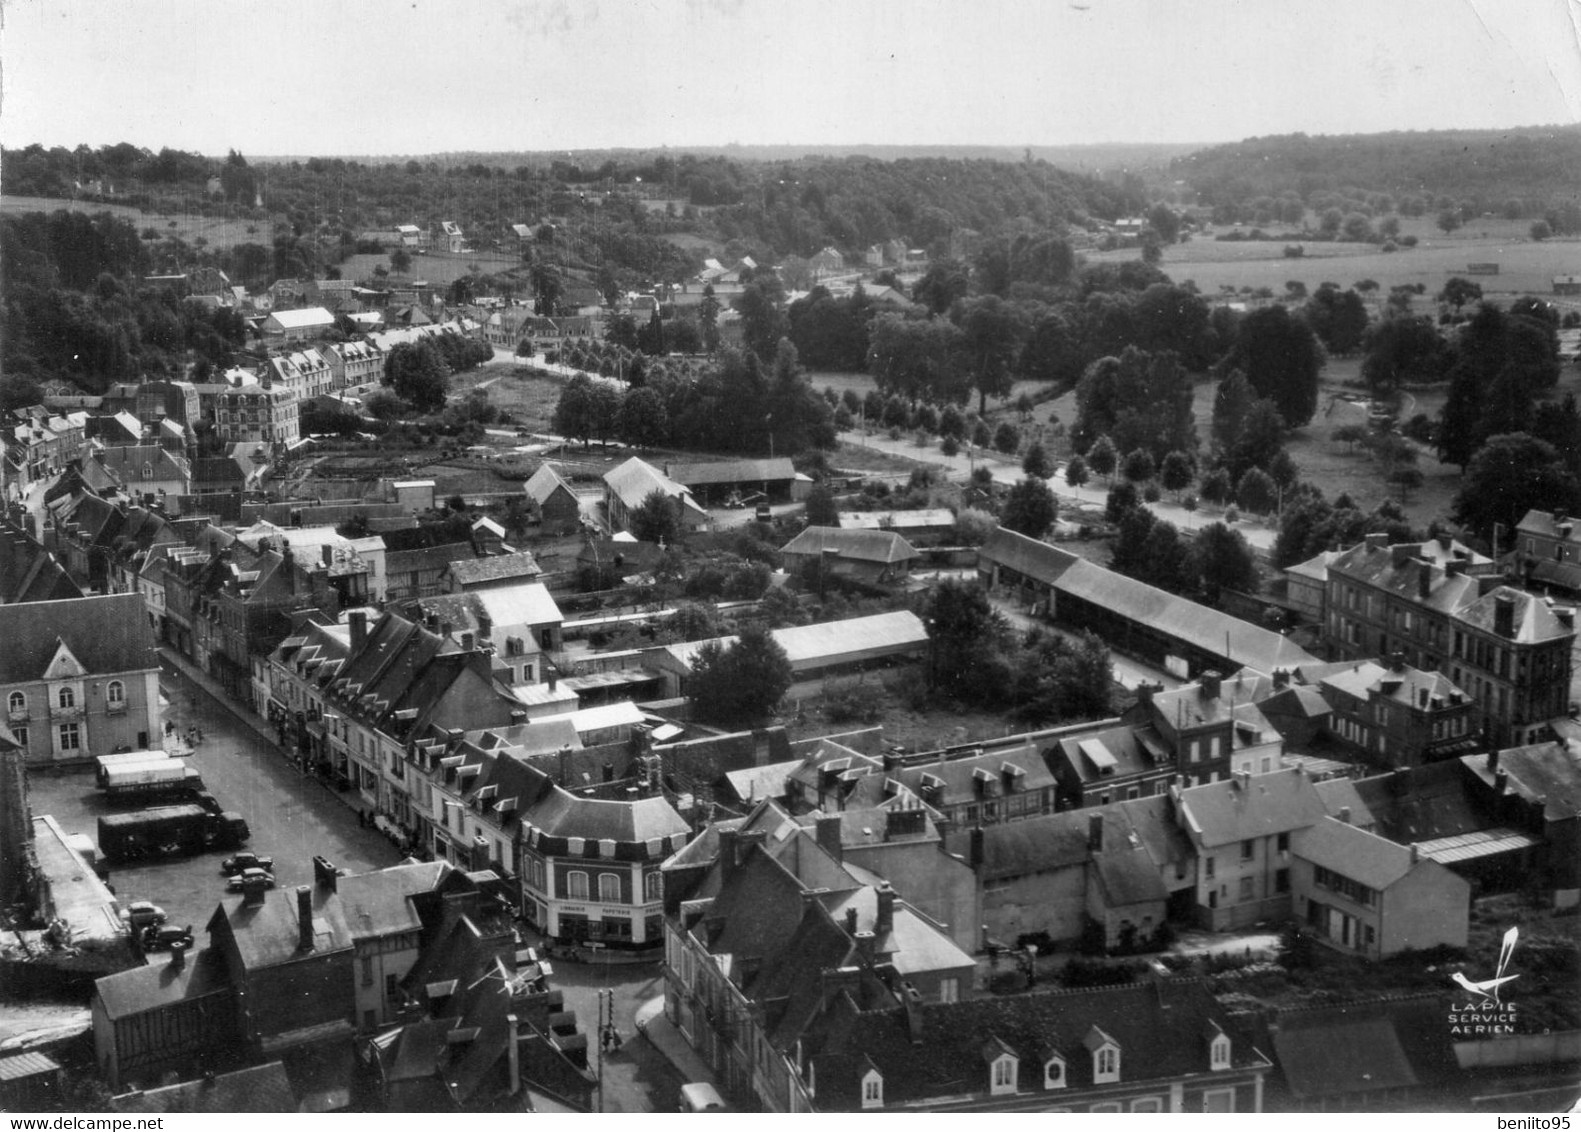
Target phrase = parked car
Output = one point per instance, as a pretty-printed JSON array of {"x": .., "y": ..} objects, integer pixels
[
  {"x": 143, "y": 914},
  {"x": 244, "y": 861},
  {"x": 165, "y": 937},
  {"x": 241, "y": 881}
]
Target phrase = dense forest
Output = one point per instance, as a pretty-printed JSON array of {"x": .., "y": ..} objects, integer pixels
[
  {"x": 1520, "y": 173},
  {"x": 605, "y": 213}
]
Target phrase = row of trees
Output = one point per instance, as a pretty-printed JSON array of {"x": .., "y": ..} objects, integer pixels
[{"x": 732, "y": 405}]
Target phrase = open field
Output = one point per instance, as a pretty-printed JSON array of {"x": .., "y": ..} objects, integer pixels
[
  {"x": 437, "y": 268},
  {"x": 1525, "y": 267},
  {"x": 218, "y": 231}
]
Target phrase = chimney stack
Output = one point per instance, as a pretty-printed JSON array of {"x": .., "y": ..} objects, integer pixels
[
  {"x": 976, "y": 853},
  {"x": 563, "y": 759},
  {"x": 1209, "y": 684},
  {"x": 1493, "y": 760},
  {"x": 829, "y": 835},
  {"x": 1504, "y": 614},
  {"x": 1377, "y": 540},
  {"x": 1446, "y": 541},
  {"x": 1095, "y": 833},
  {"x": 850, "y": 921},
  {"x": 304, "y": 918},
  {"x": 1243, "y": 780},
  {"x": 886, "y": 910},
  {"x": 178, "y": 956},
  {"x": 1402, "y": 553},
  {"x": 485, "y": 625},
  {"x": 1501, "y": 781},
  {"x": 468, "y": 642},
  {"x": 1344, "y": 814},
  {"x": 1424, "y": 579},
  {"x": 358, "y": 620},
  {"x": 327, "y": 554}
]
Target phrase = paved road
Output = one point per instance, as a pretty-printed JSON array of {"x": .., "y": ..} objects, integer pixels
[
  {"x": 292, "y": 817},
  {"x": 637, "y": 1077}
]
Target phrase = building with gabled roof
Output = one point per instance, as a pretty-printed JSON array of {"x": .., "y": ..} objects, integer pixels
[
  {"x": 494, "y": 571},
  {"x": 79, "y": 677},
  {"x": 869, "y": 557},
  {"x": 629, "y": 484},
  {"x": 762, "y": 936},
  {"x": 29, "y": 572},
  {"x": 715, "y": 482},
  {"x": 559, "y": 510},
  {"x": 1361, "y": 893}
]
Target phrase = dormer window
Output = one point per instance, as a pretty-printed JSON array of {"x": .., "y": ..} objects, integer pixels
[
  {"x": 872, "y": 1089},
  {"x": 1105, "y": 1056},
  {"x": 1003, "y": 1067},
  {"x": 1054, "y": 1073},
  {"x": 1219, "y": 1050},
  {"x": 1004, "y": 1075}
]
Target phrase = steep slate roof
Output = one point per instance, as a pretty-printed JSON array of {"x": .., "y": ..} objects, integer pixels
[
  {"x": 1365, "y": 857},
  {"x": 375, "y": 903},
  {"x": 864, "y": 546},
  {"x": 28, "y": 572},
  {"x": 160, "y": 984},
  {"x": 1426, "y": 802},
  {"x": 1367, "y": 677},
  {"x": 562, "y": 814},
  {"x": 1163, "y": 1030},
  {"x": 258, "y": 1088},
  {"x": 545, "y": 482},
  {"x": 108, "y": 633},
  {"x": 1546, "y": 773},
  {"x": 1534, "y": 621},
  {"x": 1365, "y": 1046},
  {"x": 266, "y": 933},
  {"x": 1222, "y": 813},
  {"x": 635, "y": 480}
]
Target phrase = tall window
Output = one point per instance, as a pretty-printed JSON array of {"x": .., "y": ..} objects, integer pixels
[
  {"x": 20, "y": 735},
  {"x": 576, "y": 886},
  {"x": 70, "y": 737},
  {"x": 66, "y": 697},
  {"x": 653, "y": 886},
  {"x": 608, "y": 888},
  {"x": 16, "y": 703},
  {"x": 872, "y": 1090},
  {"x": 1105, "y": 1064},
  {"x": 115, "y": 693},
  {"x": 1004, "y": 1075}
]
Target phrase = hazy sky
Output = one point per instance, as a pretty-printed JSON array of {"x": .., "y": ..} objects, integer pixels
[{"x": 419, "y": 76}]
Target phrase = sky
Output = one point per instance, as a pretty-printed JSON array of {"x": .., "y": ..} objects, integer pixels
[{"x": 366, "y": 77}]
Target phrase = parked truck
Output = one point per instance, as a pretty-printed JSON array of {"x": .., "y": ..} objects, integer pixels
[
  {"x": 104, "y": 764},
  {"x": 188, "y": 828},
  {"x": 141, "y": 781}
]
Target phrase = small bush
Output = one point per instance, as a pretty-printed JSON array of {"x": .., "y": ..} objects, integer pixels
[{"x": 1150, "y": 493}]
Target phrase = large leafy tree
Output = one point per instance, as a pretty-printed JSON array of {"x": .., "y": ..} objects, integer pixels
[
  {"x": 966, "y": 633},
  {"x": 763, "y": 321},
  {"x": 1139, "y": 400},
  {"x": 1281, "y": 358},
  {"x": 418, "y": 374},
  {"x": 1512, "y": 474},
  {"x": 655, "y": 519},
  {"x": 1223, "y": 560},
  {"x": 915, "y": 359},
  {"x": 741, "y": 684},
  {"x": 992, "y": 332},
  {"x": 1403, "y": 350},
  {"x": 1030, "y": 508},
  {"x": 1339, "y": 318}
]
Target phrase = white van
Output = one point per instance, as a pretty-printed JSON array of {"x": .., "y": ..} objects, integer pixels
[{"x": 700, "y": 1097}]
